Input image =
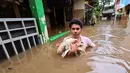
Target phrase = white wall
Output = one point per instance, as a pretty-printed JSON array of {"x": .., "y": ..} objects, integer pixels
[{"x": 78, "y": 4}]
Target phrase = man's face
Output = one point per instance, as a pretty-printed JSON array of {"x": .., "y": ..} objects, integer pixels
[{"x": 75, "y": 30}]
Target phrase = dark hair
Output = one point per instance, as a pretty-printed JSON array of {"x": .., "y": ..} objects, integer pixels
[{"x": 76, "y": 21}]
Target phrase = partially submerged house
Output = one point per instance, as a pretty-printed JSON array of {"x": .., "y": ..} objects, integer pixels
[{"x": 28, "y": 23}]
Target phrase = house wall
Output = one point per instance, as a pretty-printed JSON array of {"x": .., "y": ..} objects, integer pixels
[
  {"x": 78, "y": 11},
  {"x": 124, "y": 18},
  {"x": 78, "y": 4},
  {"x": 127, "y": 9}
]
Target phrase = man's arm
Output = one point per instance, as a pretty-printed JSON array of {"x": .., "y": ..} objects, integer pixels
[
  {"x": 60, "y": 49},
  {"x": 74, "y": 48},
  {"x": 91, "y": 44}
]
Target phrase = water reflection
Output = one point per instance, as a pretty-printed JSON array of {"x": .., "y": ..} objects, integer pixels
[
  {"x": 106, "y": 67},
  {"x": 106, "y": 58}
]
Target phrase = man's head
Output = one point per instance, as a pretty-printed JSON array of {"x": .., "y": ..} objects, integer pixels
[{"x": 76, "y": 26}]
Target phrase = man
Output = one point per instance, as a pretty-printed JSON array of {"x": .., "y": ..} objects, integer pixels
[{"x": 75, "y": 26}]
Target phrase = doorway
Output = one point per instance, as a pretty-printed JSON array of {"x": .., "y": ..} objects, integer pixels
[{"x": 60, "y": 17}]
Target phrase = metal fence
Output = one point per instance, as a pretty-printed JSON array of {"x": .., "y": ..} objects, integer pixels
[{"x": 17, "y": 35}]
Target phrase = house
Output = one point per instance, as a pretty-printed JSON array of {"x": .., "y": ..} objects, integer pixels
[{"x": 124, "y": 10}]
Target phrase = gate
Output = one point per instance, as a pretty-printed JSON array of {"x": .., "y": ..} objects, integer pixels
[{"x": 17, "y": 35}]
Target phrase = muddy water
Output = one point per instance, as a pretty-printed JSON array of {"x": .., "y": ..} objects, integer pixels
[{"x": 111, "y": 56}]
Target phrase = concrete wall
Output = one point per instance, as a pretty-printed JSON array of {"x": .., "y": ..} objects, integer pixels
[
  {"x": 78, "y": 4},
  {"x": 78, "y": 11}
]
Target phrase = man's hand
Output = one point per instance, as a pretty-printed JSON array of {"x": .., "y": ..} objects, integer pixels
[
  {"x": 74, "y": 47},
  {"x": 57, "y": 44}
]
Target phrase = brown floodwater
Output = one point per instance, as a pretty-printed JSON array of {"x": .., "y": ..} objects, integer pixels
[{"x": 111, "y": 56}]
